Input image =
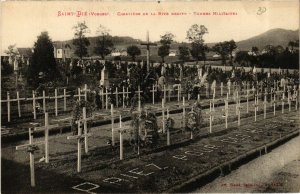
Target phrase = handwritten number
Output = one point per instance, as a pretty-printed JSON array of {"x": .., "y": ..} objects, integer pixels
[{"x": 261, "y": 10}]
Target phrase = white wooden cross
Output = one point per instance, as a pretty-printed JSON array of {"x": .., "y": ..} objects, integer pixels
[
  {"x": 239, "y": 112},
  {"x": 139, "y": 112},
  {"x": 247, "y": 98},
  {"x": 255, "y": 106},
  {"x": 64, "y": 96},
  {"x": 84, "y": 120},
  {"x": 55, "y": 101},
  {"x": 139, "y": 92},
  {"x": 102, "y": 97},
  {"x": 226, "y": 112},
  {"x": 211, "y": 115},
  {"x": 282, "y": 103},
  {"x": 117, "y": 97},
  {"x": 31, "y": 148},
  {"x": 265, "y": 105},
  {"x": 121, "y": 131},
  {"x": 163, "y": 115},
  {"x": 206, "y": 87},
  {"x": 112, "y": 124},
  {"x": 289, "y": 100},
  {"x": 123, "y": 95},
  {"x": 165, "y": 93},
  {"x": 183, "y": 111},
  {"x": 8, "y": 100},
  {"x": 85, "y": 90},
  {"x": 168, "y": 130},
  {"x": 221, "y": 88},
  {"x": 46, "y": 128},
  {"x": 33, "y": 105},
  {"x": 296, "y": 96},
  {"x": 228, "y": 86},
  {"x": 274, "y": 104},
  {"x": 154, "y": 89},
  {"x": 80, "y": 137},
  {"x": 178, "y": 91}
]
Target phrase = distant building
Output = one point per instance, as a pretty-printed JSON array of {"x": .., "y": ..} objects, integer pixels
[
  {"x": 119, "y": 52},
  {"x": 216, "y": 56},
  {"x": 173, "y": 53},
  {"x": 24, "y": 52},
  {"x": 62, "y": 51}
]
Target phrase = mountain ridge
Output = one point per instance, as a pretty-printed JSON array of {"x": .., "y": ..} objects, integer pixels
[{"x": 276, "y": 36}]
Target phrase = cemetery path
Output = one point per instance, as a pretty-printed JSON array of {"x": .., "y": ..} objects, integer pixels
[
  {"x": 276, "y": 172},
  {"x": 167, "y": 170}
]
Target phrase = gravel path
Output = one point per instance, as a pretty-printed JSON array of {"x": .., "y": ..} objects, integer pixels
[{"x": 277, "y": 171}]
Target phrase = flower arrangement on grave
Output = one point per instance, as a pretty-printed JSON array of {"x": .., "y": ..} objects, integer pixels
[
  {"x": 135, "y": 102},
  {"x": 145, "y": 130},
  {"x": 77, "y": 111},
  {"x": 194, "y": 117},
  {"x": 191, "y": 121},
  {"x": 188, "y": 87},
  {"x": 169, "y": 124}
]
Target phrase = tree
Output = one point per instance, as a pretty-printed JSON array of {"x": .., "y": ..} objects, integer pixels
[
  {"x": 11, "y": 51},
  {"x": 242, "y": 57},
  {"x": 231, "y": 47},
  {"x": 167, "y": 38},
  {"x": 43, "y": 61},
  {"x": 104, "y": 44},
  {"x": 183, "y": 53},
  {"x": 198, "y": 51},
  {"x": 164, "y": 49},
  {"x": 222, "y": 49},
  {"x": 195, "y": 36},
  {"x": 195, "y": 33},
  {"x": 254, "y": 50},
  {"x": 80, "y": 41},
  {"x": 133, "y": 51}
]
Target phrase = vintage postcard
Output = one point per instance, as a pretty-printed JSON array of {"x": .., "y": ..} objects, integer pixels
[{"x": 150, "y": 96}]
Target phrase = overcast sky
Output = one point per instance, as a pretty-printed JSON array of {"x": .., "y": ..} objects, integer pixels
[{"x": 22, "y": 22}]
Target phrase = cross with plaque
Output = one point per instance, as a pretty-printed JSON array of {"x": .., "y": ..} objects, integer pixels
[
  {"x": 80, "y": 137},
  {"x": 31, "y": 148}
]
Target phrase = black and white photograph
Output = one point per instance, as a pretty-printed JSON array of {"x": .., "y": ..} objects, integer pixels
[{"x": 154, "y": 96}]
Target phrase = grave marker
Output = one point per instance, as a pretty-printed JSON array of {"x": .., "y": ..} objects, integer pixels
[
  {"x": 282, "y": 103},
  {"x": 33, "y": 105},
  {"x": 31, "y": 148},
  {"x": 163, "y": 115},
  {"x": 239, "y": 112},
  {"x": 121, "y": 131},
  {"x": 274, "y": 104},
  {"x": 79, "y": 138},
  {"x": 255, "y": 106},
  {"x": 226, "y": 113},
  {"x": 84, "y": 121},
  {"x": 168, "y": 130},
  {"x": 46, "y": 128},
  {"x": 112, "y": 124},
  {"x": 265, "y": 105},
  {"x": 221, "y": 88},
  {"x": 210, "y": 113}
]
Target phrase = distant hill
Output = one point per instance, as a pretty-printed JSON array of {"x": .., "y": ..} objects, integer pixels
[{"x": 274, "y": 37}]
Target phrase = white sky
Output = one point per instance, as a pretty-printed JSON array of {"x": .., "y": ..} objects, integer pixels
[{"x": 22, "y": 22}]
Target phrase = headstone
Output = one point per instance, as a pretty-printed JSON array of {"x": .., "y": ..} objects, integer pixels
[{"x": 104, "y": 78}]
